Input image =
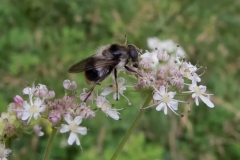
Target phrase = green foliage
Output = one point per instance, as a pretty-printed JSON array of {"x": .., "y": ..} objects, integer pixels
[{"x": 40, "y": 40}]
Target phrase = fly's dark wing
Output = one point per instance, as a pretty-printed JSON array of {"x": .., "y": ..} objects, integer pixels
[{"x": 91, "y": 63}]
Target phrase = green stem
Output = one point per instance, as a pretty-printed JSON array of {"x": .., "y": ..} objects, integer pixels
[
  {"x": 50, "y": 142},
  {"x": 134, "y": 124}
]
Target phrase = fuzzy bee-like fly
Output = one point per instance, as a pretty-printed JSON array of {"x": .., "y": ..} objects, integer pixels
[{"x": 108, "y": 60}]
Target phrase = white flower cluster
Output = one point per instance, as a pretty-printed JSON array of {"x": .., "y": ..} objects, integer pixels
[{"x": 162, "y": 72}]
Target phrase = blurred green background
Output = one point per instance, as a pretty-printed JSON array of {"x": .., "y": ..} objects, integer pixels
[{"x": 40, "y": 40}]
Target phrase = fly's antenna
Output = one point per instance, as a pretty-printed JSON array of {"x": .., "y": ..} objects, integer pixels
[{"x": 125, "y": 43}]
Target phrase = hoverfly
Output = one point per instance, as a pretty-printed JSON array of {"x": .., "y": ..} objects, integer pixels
[{"x": 108, "y": 60}]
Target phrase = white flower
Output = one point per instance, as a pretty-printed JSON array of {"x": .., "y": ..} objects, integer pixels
[
  {"x": 4, "y": 152},
  {"x": 189, "y": 71},
  {"x": 165, "y": 99},
  {"x": 74, "y": 128},
  {"x": 121, "y": 88},
  {"x": 105, "y": 106},
  {"x": 199, "y": 91},
  {"x": 37, "y": 130},
  {"x": 32, "y": 109}
]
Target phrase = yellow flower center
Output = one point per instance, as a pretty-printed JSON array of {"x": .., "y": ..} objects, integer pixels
[
  {"x": 186, "y": 70},
  {"x": 105, "y": 106},
  {"x": 166, "y": 98},
  {"x": 33, "y": 109},
  {"x": 73, "y": 126},
  {"x": 197, "y": 90}
]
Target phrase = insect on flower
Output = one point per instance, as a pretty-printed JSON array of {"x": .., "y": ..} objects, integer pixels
[{"x": 108, "y": 60}]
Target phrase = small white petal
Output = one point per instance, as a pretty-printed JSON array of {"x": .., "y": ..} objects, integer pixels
[
  {"x": 122, "y": 88},
  {"x": 27, "y": 90},
  {"x": 207, "y": 101},
  {"x": 42, "y": 108},
  {"x": 162, "y": 90},
  {"x": 78, "y": 119},
  {"x": 115, "y": 96},
  {"x": 121, "y": 81},
  {"x": 38, "y": 102},
  {"x": 161, "y": 106},
  {"x": 25, "y": 115},
  {"x": 173, "y": 105},
  {"x": 196, "y": 101},
  {"x": 68, "y": 118},
  {"x": 194, "y": 95},
  {"x": 203, "y": 88},
  {"x": 82, "y": 130},
  {"x": 72, "y": 138},
  {"x": 36, "y": 115},
  {"x": 107, "y": 91},
  {"x": 7, "y": 151},
  {"x": 165, "y": 110},
  {"x": 157, "y": 96},
  {"x": 172, "y": 94},
  {"x": 113, "y": 114},
  {"x": 78, "y": 141},
  {"x": 64, "y": 128},
  {"x": 26, "y": 106},
  {"x": 191, "y": 87},
  {"x": 40, "y": 134}
]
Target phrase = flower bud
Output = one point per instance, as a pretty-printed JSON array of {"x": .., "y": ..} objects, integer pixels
[
  {"x": 50, "y": 95},
  {"x": 84, "y": 94},
  {"x": 37, "y": 130},
  {"x": 85, "y": 111},
  {"x": 18, "y": 100},
  {"x": 54, "y": 117},
  {"x": 67, "y": 84},
  {"x": 40, "y": 91},
  {"x": 162, "y": 56}
]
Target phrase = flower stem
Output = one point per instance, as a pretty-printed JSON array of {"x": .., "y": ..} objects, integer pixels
[
  {"x": 50, "y": 142},
  {"x": 134, "y": 124}
]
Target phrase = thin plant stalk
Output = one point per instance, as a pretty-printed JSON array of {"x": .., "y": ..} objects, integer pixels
[
  {"x": 50, "y": 142},
  {"x": 133, "y": 126}
]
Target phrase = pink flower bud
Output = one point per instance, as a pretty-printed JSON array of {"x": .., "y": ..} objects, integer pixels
[
  {"x": 144, "y": 64},
  {"x": 85, "y": 111},
  {"x": 84, "y": 94},
  {"x": 54, "y": 117},
  {"x": 162, "y": 56},
  {"x": 40, "y": 91},
  {"x": 50, "y": 95},
  {"x": 37, "y": 130},
  {"x": 18, "y": 100},
  {"x": 175, "y": 72},
  {"x": 67, "y": 84}
]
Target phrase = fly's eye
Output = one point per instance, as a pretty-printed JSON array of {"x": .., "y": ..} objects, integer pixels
[
  {"x": 133, "y": 53},
  {"x": 117, "y": 53}
]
